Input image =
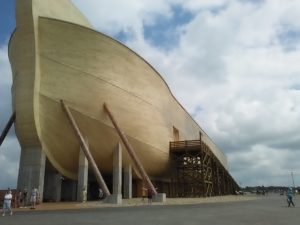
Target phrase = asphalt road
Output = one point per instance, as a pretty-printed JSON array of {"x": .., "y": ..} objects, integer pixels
[{"x": 271, "y": 210}]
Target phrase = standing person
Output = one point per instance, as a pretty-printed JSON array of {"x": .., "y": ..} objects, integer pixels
[
  {"x": 150, "y": 194},
  {"x": 25, "y": 193},
  {"x": 7, "y": 202},
  {"x": 289, "y": 195},
  {"x": 101, "y": 195},
  {"x": 33, "y": 198},
  {"x": 19, "y": 198},
  {"x": 144, "y": 193},
  {"x": 84, "y": 195}
]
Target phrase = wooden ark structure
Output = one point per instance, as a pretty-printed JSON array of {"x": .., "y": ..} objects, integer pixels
[{"x": 80, "y": 97}]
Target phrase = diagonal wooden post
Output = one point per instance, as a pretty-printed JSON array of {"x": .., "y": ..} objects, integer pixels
[
  {"x": 86, "y": 150},
  {"x": 7, "y": 127},
  {"x": 131, "y": 151}
]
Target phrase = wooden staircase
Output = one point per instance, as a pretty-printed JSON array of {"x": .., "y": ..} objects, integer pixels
[{"x": 197, "y": 172}]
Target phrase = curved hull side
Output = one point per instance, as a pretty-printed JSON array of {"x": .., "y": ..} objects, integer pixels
[
  {"x": 25, "y": 66},
  {"x": 86, "y": 68},
  {"x": 21, "y": 52},
  {"x": 23, "y": 47}
]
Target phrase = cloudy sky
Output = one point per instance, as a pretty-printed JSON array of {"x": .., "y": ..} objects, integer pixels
[{"x": 233, "y": 64}]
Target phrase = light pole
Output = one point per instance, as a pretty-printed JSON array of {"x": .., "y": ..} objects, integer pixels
[{"x": 292, "y": 175}]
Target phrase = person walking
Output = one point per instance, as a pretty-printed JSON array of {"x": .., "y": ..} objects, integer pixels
[
  {"x": 25, "y": 193},
  {"x": 19, "y": 198},
  {"x": 7, "y": 202},
  {"x": 150, "y": 195},
  {"x": 289, "y": 195},
  {"x": 144, "y": 194},
  {"x": 33, "y": 198}
]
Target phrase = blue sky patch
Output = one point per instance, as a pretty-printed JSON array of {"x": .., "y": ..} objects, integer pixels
[
  {"x": 122, "y": 36},
  {"x": 254, "y": 1},
  {"x": 217, "y": 9},
  {"x": 289, "y": 38},
  {"x": 164, "y": 32},
  {"x": 7, "y": 20},
  {"x": 197, "y": 111},
  {"x": 295, "y": 87}
]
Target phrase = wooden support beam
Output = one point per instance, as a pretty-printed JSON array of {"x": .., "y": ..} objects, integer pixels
[
  {"x": 7, "y": 127},
  {"x": 130, "y": 151},
  {"x": 205, "y": 157},
  {"x": 86, "y": 150},
  {"x": 203, "y": 172}
]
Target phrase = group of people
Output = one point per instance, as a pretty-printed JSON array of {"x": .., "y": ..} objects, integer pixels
[{"x": 21, "y": 198}]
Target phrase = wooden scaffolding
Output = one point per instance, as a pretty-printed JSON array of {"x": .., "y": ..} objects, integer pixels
[{"x": 197, "y": 172}]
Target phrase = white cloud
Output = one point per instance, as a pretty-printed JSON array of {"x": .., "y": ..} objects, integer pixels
[
  {"x": 271, "y": 166},
  {"x": 5, "y": 86},
  {"x": 115, "y": 16},
  {"x": 9, "y": 162},
  {"x": 10, "y": 149},
  {"x": 5, "y": 76},
  {"x": 232, "y": 72}
]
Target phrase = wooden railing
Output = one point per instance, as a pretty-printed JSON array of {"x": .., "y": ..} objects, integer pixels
[{"x": 176, "y": 145}]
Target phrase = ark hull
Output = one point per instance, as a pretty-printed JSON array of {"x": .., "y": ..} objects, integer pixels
[{"x": 67, "y": 60}]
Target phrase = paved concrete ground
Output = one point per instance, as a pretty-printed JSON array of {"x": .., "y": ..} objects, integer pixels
[
  {"x": 271, "y": 210},
  {"x": 138, "y": 202}
]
